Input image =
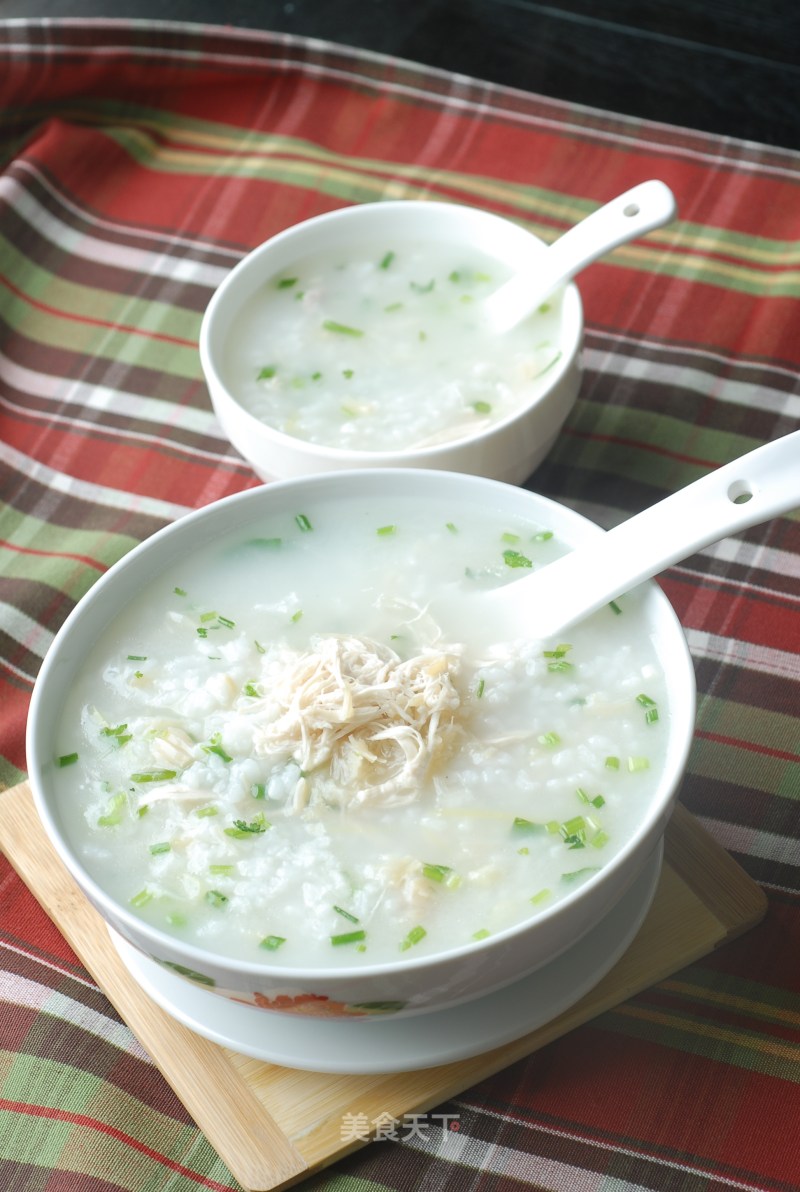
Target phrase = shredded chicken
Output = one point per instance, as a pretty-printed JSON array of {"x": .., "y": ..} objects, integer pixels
[{"x": 378, "y": 723}]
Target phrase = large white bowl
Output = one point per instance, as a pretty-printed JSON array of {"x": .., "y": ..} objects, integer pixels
[
  {"x": 412, "y": 985},
  {"x": 510, "y": 450}
]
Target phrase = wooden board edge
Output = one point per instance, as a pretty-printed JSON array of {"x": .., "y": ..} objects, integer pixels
[
  {"x": 238, "y": 1125},
  {"x": 713, "y": 875}
]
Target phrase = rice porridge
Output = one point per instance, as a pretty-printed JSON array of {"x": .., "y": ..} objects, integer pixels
[
  {"x": 386, "y": 350},
  {"x": 276, "y": 753}
]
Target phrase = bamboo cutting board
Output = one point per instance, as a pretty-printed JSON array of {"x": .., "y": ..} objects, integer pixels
[{"x": 275, "y": 1126}]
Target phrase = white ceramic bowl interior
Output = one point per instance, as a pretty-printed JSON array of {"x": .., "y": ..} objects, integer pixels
[
  {"x": 414, "y": 985},
  {"x": 510, "y": 450}
]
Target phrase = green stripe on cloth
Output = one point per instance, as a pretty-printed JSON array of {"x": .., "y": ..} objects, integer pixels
[
  {"x": 736, "y": 1046},
  {"x": 66, "y": 557},
  {"x": 751, "y": 736},
  {"x": 58, "y": 1116}
]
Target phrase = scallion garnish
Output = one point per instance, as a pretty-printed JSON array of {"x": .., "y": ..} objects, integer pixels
[
  {"x": 345, "y": 914},
  {"x": 286, "y": 283},
  {"x": 540, "y": 896},
  {"x": 259, "y": 790},
  {"x": 615, "y": 608},
  {"x": 303, "y": 522},
  {"x": 216, "y": 747},
  {"x": 161, "y": 846},
  {"x": 272, "y": 942},
  {"x": 347, "y": 373},
  {"x": 481, "y": 687},
  {"x": 242, "y": 830},
  {"x": 635, "y": 764},
  {"x": 550, "y": 739},
  {"x": 179, "y": 591},
  {"x": 526, "y": 827},
  {"x": 221, "y": 870},
  {"x": 578, "y": 874},
  {"x": 419, "y": 288},
  {"x": 266, "y": 373},
  {"x": 385, "y": 531},
  {"x": 216, "y": 898},
  {"x": 67, "y": 759},
  {"x": 206, "y": 812},
  {"x": 341, "y": 328},
  {"x": 142, "y": 898},
  {"x": 612, "y": 763},
  {"x": 481, "y": 934},
  {"x": 154, "y": 776},
  {"x": 387, "y": 260},
  {"x": 436, "y": 873},
  {"x": 114, "y": 812},
  {"x": 349, "y": 937},
  {"x": 515, "y": 558},
  {"x": 137, "y": 658},
  {"x": 482, "y": 407},
  {"x": 414, "y": 936}
]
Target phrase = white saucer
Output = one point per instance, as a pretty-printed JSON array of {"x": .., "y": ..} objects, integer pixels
[{"x": 403, "y": 1044}]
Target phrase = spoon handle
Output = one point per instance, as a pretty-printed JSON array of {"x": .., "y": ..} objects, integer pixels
[
  {"x": 639, "y": 210},
  {"x": 760, "y": 485}
]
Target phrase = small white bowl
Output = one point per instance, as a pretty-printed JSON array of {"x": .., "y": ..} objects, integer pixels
[
  {"x": 508, "y": 450},
  {"x": 415, "y": 985}
]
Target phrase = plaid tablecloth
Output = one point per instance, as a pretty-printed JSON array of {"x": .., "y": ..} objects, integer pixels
[{"x": 139, "y": 163}]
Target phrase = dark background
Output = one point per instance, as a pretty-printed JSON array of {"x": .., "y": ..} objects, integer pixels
[{"x": 724, "y": 66}]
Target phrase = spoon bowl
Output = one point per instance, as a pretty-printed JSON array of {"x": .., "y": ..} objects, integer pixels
[
  {"x": 639, "y": 210},
  {"x": 762, "y": 484}
]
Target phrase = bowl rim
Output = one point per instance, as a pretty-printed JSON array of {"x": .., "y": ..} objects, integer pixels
[
  {"x": 221, "y": 394},
  {"x": 661, "y": 800}
]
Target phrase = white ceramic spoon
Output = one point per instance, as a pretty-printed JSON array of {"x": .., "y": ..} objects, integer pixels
[
  {"x": 762, "y": 484},
  {"x": 647, "y": 206}
]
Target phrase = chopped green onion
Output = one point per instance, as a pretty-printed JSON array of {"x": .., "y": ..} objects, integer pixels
[
  {"x": 179, "y": 591},
  {"x": 542, "y": 536},
  {"x": 221, "y": 870},
  {"x": 295, "y": 617},
  {"x": 481, "y": 687},
  {"x": 578, "y": 874},
  {"x": 216, "y": 747},
  {"x": 414, "y": 936},
  {"x": 316, "y": 376},
  {"x": 117, "y": 733},
  {"x": 202, "y": 631},
  {"x": 250, "y": 690},
  {"x": 515, "y": 558},
  {"x": 539, "y": 897},
  {"x": 452, "y": 527},
  {"x": 114, "y": 812},
  {"x": 393, "y": 306},
  {"x": 482, "y": 934},
  {"x": 559, "y": 652},
  {"x": 612, "y": 763},
  {"x": 272, "y": 942},
  {"x": 524, "y": 851},
  {"x": 258, "y": 790},
  {"x": 241, "y": 830},
  {"x": 524, "y": 826},
  {"x": 549, "y": 739},
  {"x": 385, "y": 531},
  {"x": 67, "y": 759},
  {"x": 347, "y": 373},
  {"x": 482, "y": 407},
  {"x": 154, "y": 776},
  {"x": 206, "y": 812},
  {"x": 303, "y": 522},
  {"x": 137, "y": 658},
  {"x": 349, "y": 937},
  {"x": 142, "y": 898},
  {"x": 387, "y": 260},
  {"x": 436, "y": 873},
  {"x": 163, "y": 846},
  {"x": 418, "y": 288},
  {"x": 216, "y": 898},
  {"x": 599, "y": 839},
  {"x": 560, "y": 666},
  {"x": 635, "y": 764},
  {"x": 615, "y": 608},
  {"x": 266, "y": 373},
  {"x": 345, "y": 914},
  {"x": 286, "y": 283},
  {"x": 507, "y": 536},
  {"x": 341, "y": 328}
]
